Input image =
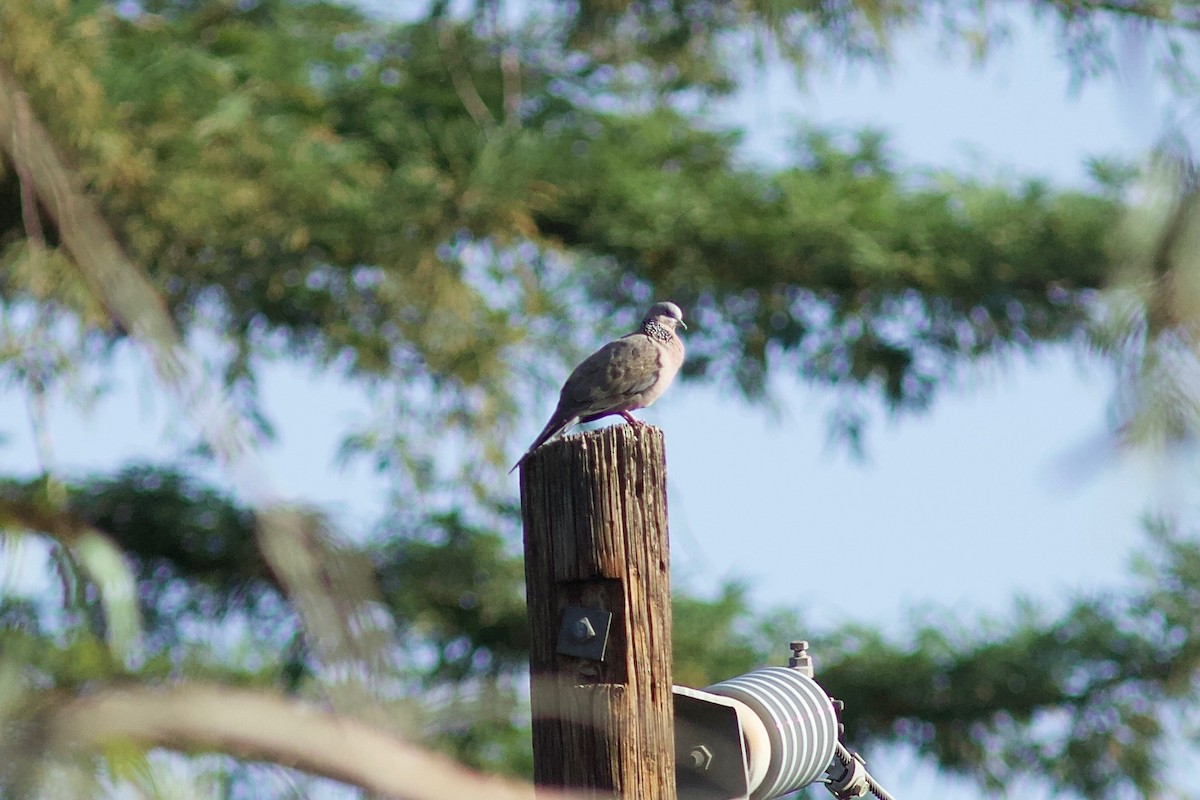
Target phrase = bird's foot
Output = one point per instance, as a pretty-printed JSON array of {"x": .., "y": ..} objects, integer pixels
[{"x": 632, "y": 420}]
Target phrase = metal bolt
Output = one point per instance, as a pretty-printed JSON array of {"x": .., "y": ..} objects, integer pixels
[
  {"x": 800, "y": 659},
  {"x": 701, "y": 757},
  {"x": 584, "y": 632}
]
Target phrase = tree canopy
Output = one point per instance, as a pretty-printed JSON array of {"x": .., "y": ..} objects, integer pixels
[{"x": 424, "y": 205}]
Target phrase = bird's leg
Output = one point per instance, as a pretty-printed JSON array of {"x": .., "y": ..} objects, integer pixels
[{"x": 632, "y": 420}]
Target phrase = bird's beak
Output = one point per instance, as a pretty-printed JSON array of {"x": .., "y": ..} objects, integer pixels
[{"x": 683, "y": 324}]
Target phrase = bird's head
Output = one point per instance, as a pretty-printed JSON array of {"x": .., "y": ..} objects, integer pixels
[{"x": 666, "y": 314}]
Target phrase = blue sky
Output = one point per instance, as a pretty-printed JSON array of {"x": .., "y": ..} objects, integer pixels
[
  {"x": 961, "y": 508},
  {"x": 982, "y": 497},
  {"x": 1018, "y": 113}
]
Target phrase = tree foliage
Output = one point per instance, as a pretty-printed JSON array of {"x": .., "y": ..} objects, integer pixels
[
  {"x": 1082, "y": 697},
  {"x": 314, "y": 180}
]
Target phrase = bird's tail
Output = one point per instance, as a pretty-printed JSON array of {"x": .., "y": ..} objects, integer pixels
[{"x": 554, "y": 428}]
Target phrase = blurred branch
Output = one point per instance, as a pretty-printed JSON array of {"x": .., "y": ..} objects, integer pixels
[
  {"x": 461, "y": 78},
  {"x": 334, "y": 591},
  {"x": 36, "y": 514},
  {"x": 96, "y": 554},
  {"x": 127, "y": 293},
  {"x": 29, "y": 209},
  {"x": 1151, "y": 11},
  {"x": 116, "y": 281},
  {"x": 264, "y": 727},
  {"x": 510, "y": 67},
  {"x": 1164, "y": 309}
]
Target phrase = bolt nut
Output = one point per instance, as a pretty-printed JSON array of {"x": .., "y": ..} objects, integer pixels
[
  {"x": 701, "y": 758},
  {"x": 800, "y": 659},
  {"x": 584, "y": 632}
]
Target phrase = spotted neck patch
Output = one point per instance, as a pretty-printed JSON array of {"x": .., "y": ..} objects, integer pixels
[{"x": 655, "y": 330}]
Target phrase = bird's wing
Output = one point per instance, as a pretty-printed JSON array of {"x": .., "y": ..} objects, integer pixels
[{"x": 612, "y": 375}]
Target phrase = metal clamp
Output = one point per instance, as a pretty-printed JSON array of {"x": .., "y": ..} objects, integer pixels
[{"x": 851, "y": 780}]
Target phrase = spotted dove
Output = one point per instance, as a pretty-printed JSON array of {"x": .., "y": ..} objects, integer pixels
[{"x": 620, "y": 377}]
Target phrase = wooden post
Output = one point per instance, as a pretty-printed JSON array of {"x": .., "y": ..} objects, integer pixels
[{"x": 595, "y": 512}]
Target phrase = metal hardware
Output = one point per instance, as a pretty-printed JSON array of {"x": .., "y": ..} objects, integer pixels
[
  {"x": 800, "y": 659},
  {"x": 584, "y": 632},
  {"x": 848, "y": 777}
]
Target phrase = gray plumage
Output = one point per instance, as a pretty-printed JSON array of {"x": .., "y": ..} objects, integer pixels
[{"x": 620, "y": 377}]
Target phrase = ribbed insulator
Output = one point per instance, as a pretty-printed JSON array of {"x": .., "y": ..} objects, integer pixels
[{"x": 800, "y": 721}]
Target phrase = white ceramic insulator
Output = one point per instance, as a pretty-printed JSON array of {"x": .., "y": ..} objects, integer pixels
[{"x": 798, "y": 720}]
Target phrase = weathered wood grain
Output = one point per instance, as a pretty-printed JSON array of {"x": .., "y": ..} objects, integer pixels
[{"x": 595, "y": 512}]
